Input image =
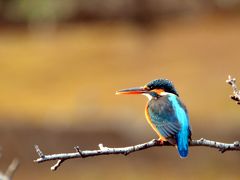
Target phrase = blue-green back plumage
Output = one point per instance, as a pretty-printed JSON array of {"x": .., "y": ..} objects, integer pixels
[
  {"x": 170, "y": 117},
  {"x": 184, "y": 133}
]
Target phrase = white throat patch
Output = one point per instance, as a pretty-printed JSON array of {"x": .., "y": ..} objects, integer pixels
[{"x": 148, "y": 96}]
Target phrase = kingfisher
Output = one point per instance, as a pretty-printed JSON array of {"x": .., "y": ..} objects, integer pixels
[{"x": 165, "y": 113}]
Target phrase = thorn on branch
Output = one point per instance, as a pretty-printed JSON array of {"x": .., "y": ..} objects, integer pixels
[
  {"x": 78, "y": 150},
  {"x": 231, "y": 80},
  {"x": 101, "y": 147},
  {"x": 237, "y": 143},
  {"x": 125, "y": 153}
]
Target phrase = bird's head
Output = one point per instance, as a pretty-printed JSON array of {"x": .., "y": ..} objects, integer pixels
[{"x": 152, "y": 89}]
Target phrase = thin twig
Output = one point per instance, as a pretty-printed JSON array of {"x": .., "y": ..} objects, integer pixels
[
  {"x": 236, "y": 93},
  {"x": 57, "y": 165},
  {"x": 12, "y": 169},
  {"x": 222, "y": 147},
  {"x": 39, "y": 152}
]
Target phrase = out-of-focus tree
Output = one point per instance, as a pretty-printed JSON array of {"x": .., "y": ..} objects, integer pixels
[
  {"x": 52, "y": 11},
  {"x": 39, "y": 11}
]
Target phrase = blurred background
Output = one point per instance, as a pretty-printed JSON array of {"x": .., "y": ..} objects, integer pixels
[{"x": 62, "y": 61}]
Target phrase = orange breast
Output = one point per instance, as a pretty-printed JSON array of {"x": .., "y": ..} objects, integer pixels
[{"x": 152, "y": 125}]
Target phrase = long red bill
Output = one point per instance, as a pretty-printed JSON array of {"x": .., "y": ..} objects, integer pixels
[{"x": 136, "y": 90}]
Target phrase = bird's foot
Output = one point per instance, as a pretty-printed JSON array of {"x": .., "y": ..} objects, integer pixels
[{"x": 160, "y": 141}]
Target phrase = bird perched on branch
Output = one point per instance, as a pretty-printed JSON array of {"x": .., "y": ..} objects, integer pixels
[{"x": 165, "y": 113}]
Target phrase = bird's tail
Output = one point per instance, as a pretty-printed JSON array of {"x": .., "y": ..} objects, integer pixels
[{"x": 182, "y": 144}]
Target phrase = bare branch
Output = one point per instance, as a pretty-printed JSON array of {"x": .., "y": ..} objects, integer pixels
[
  {"x": 222, "y": 147},
  {"x": 236, "y": 92}
]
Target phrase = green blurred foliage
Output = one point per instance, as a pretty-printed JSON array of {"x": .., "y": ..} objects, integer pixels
[{"x": 40, "y": 11}]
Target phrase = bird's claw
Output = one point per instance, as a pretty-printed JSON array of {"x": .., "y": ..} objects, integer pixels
[
  {"x": 160, "y": 141},
  {"x": 223, "y": 149}
]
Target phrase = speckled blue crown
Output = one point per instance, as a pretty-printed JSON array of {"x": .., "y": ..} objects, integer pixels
[{"x": 164, "y": 84}]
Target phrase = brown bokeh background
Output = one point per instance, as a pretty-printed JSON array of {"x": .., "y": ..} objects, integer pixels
[{"x": 61, "y": 63}]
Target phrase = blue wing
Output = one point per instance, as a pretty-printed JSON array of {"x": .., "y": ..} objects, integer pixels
[
  {"x": 163, "y": 116},
  {"x": 170, "y": 117}
]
